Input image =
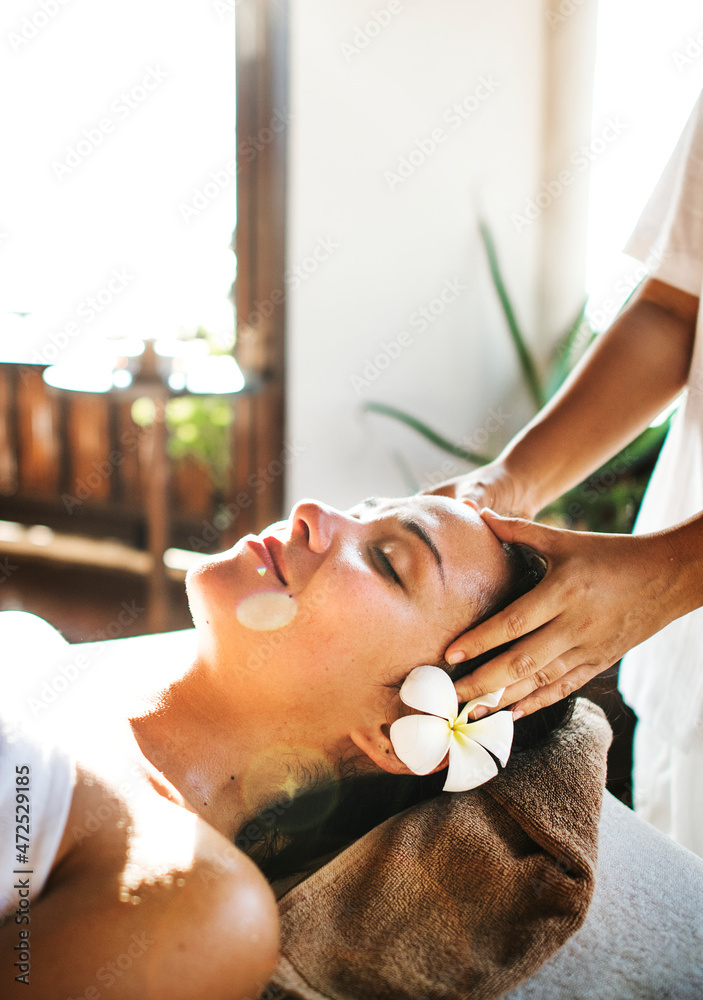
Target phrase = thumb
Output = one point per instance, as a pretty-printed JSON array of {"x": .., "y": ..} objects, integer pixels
[{"x": 518, "y": 529}]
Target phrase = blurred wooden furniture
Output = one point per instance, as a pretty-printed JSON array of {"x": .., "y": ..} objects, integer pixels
[{"x": 77, "y": 463}]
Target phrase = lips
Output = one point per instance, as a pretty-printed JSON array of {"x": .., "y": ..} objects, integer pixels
[
  {"x": 274, "y": 547},
  {"x": 269, "y": 555}
]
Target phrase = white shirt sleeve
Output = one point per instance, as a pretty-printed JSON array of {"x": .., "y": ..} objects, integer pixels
[
  {"x": 669, "y": 235},
  {"x": 662, "y": 678},
  {"x": 38, "y": 824},
  {"x": 31, "y": 827}
]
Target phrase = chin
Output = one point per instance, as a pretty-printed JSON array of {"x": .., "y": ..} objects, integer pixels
[
  {"x": 194, "y": 596},
  {"x": 210, "y": 582}
]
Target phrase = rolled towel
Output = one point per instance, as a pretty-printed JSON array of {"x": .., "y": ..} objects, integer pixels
[{"x": 462, "y": 896}]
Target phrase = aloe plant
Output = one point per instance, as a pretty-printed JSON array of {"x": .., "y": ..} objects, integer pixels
[
  {"x": 442, "y": 442},
  {"x": 608, "y": 499},
  {"x": 527, "y": 363}
]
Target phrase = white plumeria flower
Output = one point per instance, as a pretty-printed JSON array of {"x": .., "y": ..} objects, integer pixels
[{"x": 421, "y": 742}]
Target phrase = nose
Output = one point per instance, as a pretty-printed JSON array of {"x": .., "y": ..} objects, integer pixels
[{"x": 317, "y": 524}]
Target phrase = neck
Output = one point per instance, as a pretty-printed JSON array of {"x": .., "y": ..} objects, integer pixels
[{"x": 214, "y": 748}]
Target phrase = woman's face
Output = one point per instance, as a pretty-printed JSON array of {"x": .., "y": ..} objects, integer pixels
[{"x": 319, "y": 619}]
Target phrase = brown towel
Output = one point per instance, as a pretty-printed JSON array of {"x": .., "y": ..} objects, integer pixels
[{"x": 462, "y": 896}]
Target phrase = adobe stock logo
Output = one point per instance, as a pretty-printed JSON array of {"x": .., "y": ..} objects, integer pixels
[
  {"x": 689, "y": 53},
  {"x": 6, "y": 569},
  {"x": 121, "y": 108},
  {"x": 87, "y": 310},
  {"x": 224, "y": 7},
  {"x": 566, "y": 8},
  {"x": 426, "y": 146},
  {"x": 221, "y": 177},
  {"x": 580, "y": 159},
  {"x": 32, "y": 24},
  {"x": 420, "y": 320},
  {"x": 365, "y": 33}
]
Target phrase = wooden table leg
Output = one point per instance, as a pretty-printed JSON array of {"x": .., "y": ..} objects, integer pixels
[{"x": 158, "y": 520}]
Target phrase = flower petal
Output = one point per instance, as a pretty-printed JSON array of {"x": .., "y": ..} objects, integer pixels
[
  {"x": 495, "y": 733},
  {"x": 420, "y": 741},
  {"x": 469, "y": 765},
  {"x": 489, "y": 700},
  {"x": 429, "y": 689}
]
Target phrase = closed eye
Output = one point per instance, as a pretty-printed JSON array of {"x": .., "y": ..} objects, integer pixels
[{"x": 386, "y": 565}]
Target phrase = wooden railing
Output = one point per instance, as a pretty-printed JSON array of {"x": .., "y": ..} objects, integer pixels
[{"x": 78, "y": 463}]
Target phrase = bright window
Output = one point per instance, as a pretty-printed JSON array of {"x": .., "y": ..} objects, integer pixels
[
  {"x": 649, "y": 73},
  {"x": 119, "y": 191}
]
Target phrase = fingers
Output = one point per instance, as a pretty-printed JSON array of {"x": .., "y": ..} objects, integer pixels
[
  {"x": 524, "y": 615},
  {"x": 549, "y": 678},
  {"x": 546, "y": 627},
  {"x": 518, "y": 529},
  {"x": 529, "y": 612},
  {"x": 556, "y": 681},
  {"x": 470, "y": 502},
  {"x": 446, "y": 489},
  {"x": 565, "y": 685},
  {"x": 525, "y": 663}
]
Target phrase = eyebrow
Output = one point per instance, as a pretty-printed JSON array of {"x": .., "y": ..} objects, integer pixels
[
  {"x": 413, "y": 526},
  {"x": 410, "y": 524}
]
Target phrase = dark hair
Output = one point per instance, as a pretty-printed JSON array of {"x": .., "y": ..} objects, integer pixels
[{"x": 293, "y": 836}]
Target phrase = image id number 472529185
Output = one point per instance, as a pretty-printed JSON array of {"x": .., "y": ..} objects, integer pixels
[{"x": 23, "y": 871}]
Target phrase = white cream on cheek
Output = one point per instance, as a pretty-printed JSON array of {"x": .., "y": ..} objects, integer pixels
[{"x": 267, "y": 610}]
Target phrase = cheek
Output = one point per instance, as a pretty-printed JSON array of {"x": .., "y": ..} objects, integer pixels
[
  {"x": 346, "y": 628},
  {"x": 226, "y": 594}
]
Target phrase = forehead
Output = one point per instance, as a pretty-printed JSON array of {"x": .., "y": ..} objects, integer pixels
[
  {"x": 440, "y": 512},
  {"x": 468, "y": 549}
]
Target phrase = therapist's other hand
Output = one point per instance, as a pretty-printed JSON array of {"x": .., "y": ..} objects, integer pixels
[
  {"x": 491, "y": 486},
  {"x": 601, "y": 595}
]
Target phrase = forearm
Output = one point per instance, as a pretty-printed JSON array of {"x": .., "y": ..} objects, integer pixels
[
  {"x": 629, "y": 375},
  {"x": 683, "y": 586}
]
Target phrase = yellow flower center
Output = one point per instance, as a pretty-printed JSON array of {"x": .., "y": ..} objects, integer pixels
[{"x": 459, "y": 730}]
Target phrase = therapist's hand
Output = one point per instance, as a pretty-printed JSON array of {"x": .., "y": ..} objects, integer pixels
[
  {"x": 601, "y": 595},
  {"x": 488, "y": 486}
]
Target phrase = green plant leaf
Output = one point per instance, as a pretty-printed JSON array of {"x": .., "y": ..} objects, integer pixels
[
  {"x": 525, "y": 357},
  {"x": 187, "y": 433},
  {"x": 444, "y": 443},
  {"x": 180, "y": 409},
  {"x": 647, "y": 444},
  {"x": 608, "y": 498}
]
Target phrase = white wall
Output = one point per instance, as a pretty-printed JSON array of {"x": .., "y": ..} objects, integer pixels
[
  {"x": 651, "y": 84},
  {"x": 356, "y": 113}
]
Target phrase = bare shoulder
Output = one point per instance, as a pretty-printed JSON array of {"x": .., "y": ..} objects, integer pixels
[{"x": 147, "y": 900}]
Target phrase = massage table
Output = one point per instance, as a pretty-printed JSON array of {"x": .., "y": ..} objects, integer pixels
[{"x": 643, "y": 933}]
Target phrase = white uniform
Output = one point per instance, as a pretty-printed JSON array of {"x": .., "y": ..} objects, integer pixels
[
  {"x": 662, "y": 679},
  {"x": 36, "y": 779}
]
